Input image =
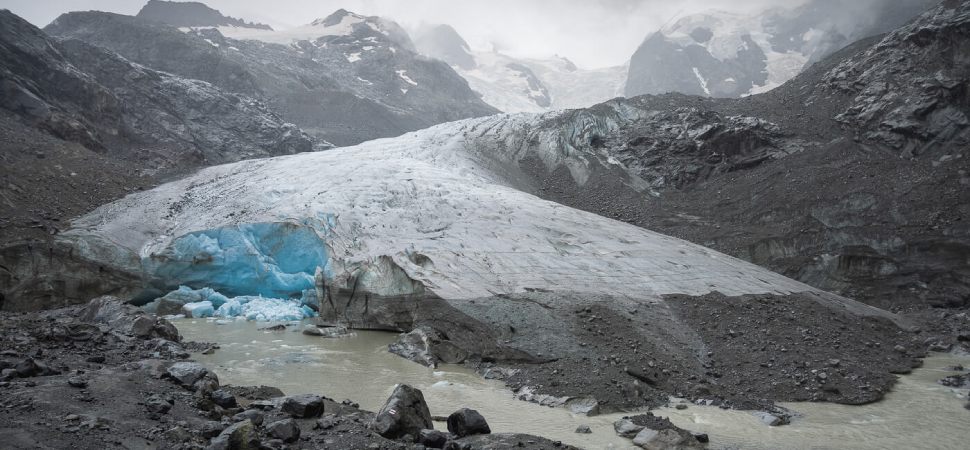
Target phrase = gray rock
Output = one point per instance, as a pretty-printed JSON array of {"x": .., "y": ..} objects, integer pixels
[
  {"x": 286, "y": 429},
  {"x": 212, "y": 428},
  {"x": 583, "y": 429},
  {"x": 583, "y": 405},
  {"x": 238, "y": 436},
  {"x": 177, "y": 434},
  {"x": 769, "y": 419},
  {"x": 466, "y": 422},
  {"x": 223, "y": 398},
  {"x": 404, "y": 412},
  {"x": 253, "y": 415},
  {"x": 157, "y": 404},
  {"x": 187, "y": 373},
  {"x": 8, "y": 374},
  {"x": 626, "y": 428},
  {"x": 668, "y": 439},
  {"x": 28, "y": 368},
  {"x": 303, "y": 406},
  {"x": 432, "y": 438},
  {"x": 77, "y": 382}
]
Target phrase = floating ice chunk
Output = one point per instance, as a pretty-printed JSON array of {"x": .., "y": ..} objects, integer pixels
[
  {"x": 198, "y": 309},
  {"x": 272, "y": 309}
]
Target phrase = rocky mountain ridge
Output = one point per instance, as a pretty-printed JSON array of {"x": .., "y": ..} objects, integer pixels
[
  {"x": 721, "y": 54},
  {"x": 344, "y": 79},
  {"x": 192, "y": 14}
]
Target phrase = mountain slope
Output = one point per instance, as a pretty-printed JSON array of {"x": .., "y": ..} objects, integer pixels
[
  {"x": 83, "y": 126},
  {"x": 88, "y": 95},
  {"x": 721, "y": 54},
  {"x": 345, "y": 78},
  {"x": 517, "y": 84}
]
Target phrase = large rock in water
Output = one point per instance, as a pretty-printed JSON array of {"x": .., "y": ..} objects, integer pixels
[
  {"x": 466, "y": 422},
  {"x": 405, "y": 412}
]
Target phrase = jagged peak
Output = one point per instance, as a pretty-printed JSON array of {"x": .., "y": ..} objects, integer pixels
[
  {"x": 337, "y": 18},
  {"x": 191, "y": 14}
]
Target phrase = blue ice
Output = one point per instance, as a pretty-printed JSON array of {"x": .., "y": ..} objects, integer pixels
[{"x": 274, "y": 260}]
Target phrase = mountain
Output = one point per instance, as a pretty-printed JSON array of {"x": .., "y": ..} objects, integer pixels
[
  {"x": 85, "y": 94},
  {"x": 721, "y": 54},
  {"x": 344, "y": 79},
  {"x": 519, "y": 84},
  {"x": 192, "y": 14},
  {"x": 100, "y": 126}
]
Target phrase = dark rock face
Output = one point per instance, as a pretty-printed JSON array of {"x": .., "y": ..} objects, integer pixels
[
  {"x": 910, "y": 91},
  {"x": 405, "y": 412},
  {"x": 680, "y": 57},
  {"x": 466, "y": 422},
  {"x": 660, "y": 66},
  {"x": 303, "y": 406},
  {"x": 85, "y": 94},
  {"x": 344, "y": 89},
  {"x": 191, "y": 14}
]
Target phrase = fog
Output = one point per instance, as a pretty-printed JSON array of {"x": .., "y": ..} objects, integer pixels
[{"x": 592, "y": 33}]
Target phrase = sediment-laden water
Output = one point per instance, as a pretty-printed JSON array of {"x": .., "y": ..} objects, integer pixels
[{"x": 919, "y": 413}]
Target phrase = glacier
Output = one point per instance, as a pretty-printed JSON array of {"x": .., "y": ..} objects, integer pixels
[{"x": 445, "y": 209}]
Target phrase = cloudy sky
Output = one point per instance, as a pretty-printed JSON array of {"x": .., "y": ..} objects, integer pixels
[{"x": 592, "y": 33}]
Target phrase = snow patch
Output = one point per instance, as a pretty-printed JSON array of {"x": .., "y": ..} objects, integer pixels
[
  {"x": 353, "y": 57},
  {"x": 701, "y": 80},
  {"x": 404, "y": 76}
]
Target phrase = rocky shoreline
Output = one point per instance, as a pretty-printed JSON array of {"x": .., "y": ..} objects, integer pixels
[{"x": 107, "y": 375}]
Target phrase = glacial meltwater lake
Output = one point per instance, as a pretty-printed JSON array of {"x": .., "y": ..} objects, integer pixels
[{"x": 918, "y": 413}]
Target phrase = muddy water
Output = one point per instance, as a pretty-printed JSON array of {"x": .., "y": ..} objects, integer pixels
[{"x": 919, "y": 413}]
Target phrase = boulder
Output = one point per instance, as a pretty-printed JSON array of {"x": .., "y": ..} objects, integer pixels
[
  {"x": 432, "y": 438},
  {"x": 583, "y": 429},
  {"x": 668, "y": 439},
  {"x": 238, "y": 436},
  {"x": 28, "y": 368},
  {"x": 769, "y": 418},
  {"x": 253, "y": 415},
  {"x": 125, "y": 318},
  {"x": 626, "y": 428},
  {"x": 405, "y": 412},
  {"x": 303, "y": 406},
  {"x": 156, "y": 404},
  {"x": 286, "y": 429},
  {"x": 187, "y": 373},
  {"x": 223, "y": 398},
  {"x": 466, "y": 422}
]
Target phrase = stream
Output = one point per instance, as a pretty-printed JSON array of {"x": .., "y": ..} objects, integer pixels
[{"x": 918, "y": 413}]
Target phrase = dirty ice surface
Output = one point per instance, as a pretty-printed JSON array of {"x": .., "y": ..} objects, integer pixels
[{"x": 444, "y": 204}]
